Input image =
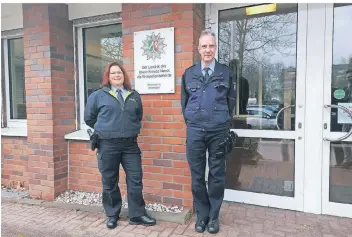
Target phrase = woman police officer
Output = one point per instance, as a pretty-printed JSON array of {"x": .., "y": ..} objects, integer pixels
[{"x": 115, "y": 112}]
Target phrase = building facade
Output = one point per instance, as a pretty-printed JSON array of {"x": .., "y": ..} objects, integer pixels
[{"x": 292, "y": 63}]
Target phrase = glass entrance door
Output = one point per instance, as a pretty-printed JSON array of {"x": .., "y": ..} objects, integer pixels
[
  {"x": 265, "y": 47},
  {"x": 337, "y": 139}
]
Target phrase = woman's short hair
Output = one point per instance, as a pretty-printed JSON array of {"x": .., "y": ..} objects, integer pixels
[{"x": 106, "y": 82}]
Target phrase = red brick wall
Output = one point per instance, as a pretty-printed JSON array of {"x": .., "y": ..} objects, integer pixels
[
  {"x": 83, "y": 168},
  {"x": 48, "y": 52},
  {"x": 166, "y": 172},
  {"x": 199, "y": 26},
  {"x": 14, "y": 161}
]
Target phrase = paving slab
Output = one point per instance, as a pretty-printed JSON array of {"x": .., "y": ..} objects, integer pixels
[{"x": 237, "y": 220}]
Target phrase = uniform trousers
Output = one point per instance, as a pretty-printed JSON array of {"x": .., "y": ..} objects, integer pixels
[
  {"x": 207, "y": 202},
  {"x": 111, "y": 153}
]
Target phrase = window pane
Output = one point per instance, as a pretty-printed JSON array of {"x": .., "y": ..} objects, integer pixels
[
  {"x": 340, "y": 185},
  {"x": 102, "y": 45},
  {"x": 341, "y": 78},
  {"x": 16, "y": 79},
  {"x": 262, "y": 165},
  {"x": 261, "y": 50}
]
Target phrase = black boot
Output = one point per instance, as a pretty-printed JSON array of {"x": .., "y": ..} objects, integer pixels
[
  {"x": 112, "y": 222},
  {"x": 200, "y": 226},
  {"x": 213, "y": 226},
  {"x": 143, "y": 220}
]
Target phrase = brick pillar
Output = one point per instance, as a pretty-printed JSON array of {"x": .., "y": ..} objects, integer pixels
[
  {"x": 166, "y": 172},
  {"x": 49, "y": 78}
]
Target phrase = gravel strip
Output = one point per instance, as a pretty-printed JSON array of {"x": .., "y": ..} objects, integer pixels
[
  {"x": 14, "y": 193},
  {"x": 95, "y": 199}
]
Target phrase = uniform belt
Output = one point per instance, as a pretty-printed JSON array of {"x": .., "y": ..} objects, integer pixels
[{"x": 124, "y": 139}]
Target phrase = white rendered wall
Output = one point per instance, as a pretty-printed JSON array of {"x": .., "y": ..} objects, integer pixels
[
  {"x": 80, "y": 10},
  {"x": 11, "y": 16}
]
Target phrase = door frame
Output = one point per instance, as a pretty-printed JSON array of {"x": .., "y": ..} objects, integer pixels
[
  {"x": 331, "y": 208},
  {"x": 296, "y": 202}
]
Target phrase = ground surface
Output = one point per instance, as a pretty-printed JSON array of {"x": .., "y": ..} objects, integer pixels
[{"x": 22, "y": 220}]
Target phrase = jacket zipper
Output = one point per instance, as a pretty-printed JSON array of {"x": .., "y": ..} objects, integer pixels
[{"x": 122, "y": 107}]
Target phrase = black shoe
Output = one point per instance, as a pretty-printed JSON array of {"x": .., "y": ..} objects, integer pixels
[
  {"x": 142, "y": 220},
  {"x": 200, "y": 226},
  {"x": 213, "y": 226},
  {"x": 112, "y": 222}
]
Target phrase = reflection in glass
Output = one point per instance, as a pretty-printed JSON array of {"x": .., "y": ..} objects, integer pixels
[
  {"x": 341, "y": 94},
  {"x": 16, "y": 79},
  {"x": 262, "y": 166},
  {"x": 102, "y": 45},
  {"x": 340, "y": 173},
  {"x": 261, "y": 51},
  {"x": 341, "y": 80}
]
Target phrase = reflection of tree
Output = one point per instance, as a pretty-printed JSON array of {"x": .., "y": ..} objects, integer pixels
[
  {"x": 339, "y": 69},
  {"x": 250, "y": 39},
  {"x": 111, "y": 48},
  {"x": 110, "y": 51},
  {"x": 254, "y": 41},
  {"x": 272, "y": 74}
]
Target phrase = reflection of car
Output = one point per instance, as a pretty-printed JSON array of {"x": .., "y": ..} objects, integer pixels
[
  {"x": 271, "y": 108},
  {"x": 261, "y": 118},
  {"x": 263, "y": 111}
]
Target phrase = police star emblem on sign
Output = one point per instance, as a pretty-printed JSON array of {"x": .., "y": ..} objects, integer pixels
[{"x": 153, "y": 46}]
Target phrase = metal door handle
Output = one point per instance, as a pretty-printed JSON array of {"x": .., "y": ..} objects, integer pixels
[
  {"x": 349, "y": 132},
  {"x": 280, "y": 111}
]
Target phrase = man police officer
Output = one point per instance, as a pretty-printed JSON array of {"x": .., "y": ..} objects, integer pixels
[{"x": 208, "y": 93}]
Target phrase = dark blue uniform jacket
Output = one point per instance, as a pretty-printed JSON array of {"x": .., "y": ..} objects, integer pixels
[
  {"x": 208, "y": 105},
  {"x": 109, "y": 119}
]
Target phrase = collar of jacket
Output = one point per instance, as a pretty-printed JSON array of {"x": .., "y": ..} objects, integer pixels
[
  {"x": 197, "y": 70},
  {"x": 112, "y": 93}
]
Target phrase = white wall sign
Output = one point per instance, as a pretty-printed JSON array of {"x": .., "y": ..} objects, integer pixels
[
  {"x": 154, "y": 57},
  {"x": 342, "y": 116}
]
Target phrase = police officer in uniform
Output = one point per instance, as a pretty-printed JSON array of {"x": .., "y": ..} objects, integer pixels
[
  {"x": 115, "y": 112},
  {"x": 208, "y": 93}
]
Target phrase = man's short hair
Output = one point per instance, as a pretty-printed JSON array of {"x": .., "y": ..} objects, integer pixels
[{"x": 207, "y": 32}]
